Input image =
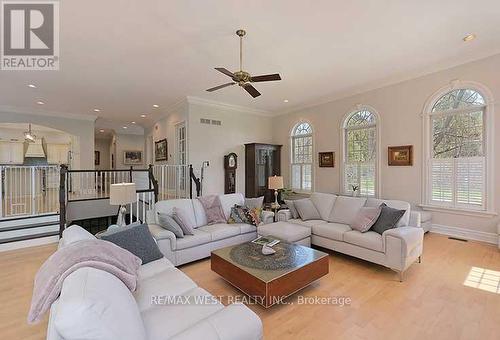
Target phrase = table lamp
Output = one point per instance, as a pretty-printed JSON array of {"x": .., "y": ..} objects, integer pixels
[
  {"x": 275, "y": 183},
  {"x": 122, "y": 194}
]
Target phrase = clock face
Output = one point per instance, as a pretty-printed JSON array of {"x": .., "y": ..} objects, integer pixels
[{"x": 232, "y": 161}]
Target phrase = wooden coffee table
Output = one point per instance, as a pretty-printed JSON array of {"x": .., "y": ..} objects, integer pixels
[{"x": 269, "y": 279}]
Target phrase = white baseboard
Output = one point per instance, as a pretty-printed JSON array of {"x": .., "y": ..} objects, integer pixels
[
  {"x": 29, "y": 243},
  {"x": 467, "y": 234}
]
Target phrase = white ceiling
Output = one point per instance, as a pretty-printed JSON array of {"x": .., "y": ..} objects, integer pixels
[{"x": 125, "y": 56}]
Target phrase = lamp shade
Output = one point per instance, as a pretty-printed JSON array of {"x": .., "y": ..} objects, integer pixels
[
  {"x": 275, "y": 182},
  {"x": 122, "y": 193}
]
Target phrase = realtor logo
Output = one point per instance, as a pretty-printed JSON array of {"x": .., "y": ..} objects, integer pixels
[{"x": 30, "y": 35}]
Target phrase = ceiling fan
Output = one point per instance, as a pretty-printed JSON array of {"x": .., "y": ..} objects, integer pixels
[{"x": 243, "y": 78}]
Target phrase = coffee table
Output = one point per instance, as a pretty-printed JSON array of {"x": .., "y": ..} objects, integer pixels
[{"x": 268, "y": 279}]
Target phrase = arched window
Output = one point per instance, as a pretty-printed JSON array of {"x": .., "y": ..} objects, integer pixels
[
  {"x": 456, "y": 150},
  {"x": 360, "y": 153},
  {"x": 302, "y": 157}
]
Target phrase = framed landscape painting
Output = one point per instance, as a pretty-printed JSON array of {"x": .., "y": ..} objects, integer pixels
[
  {"x": 401, "y": 155},
  {"x": 161, "y": 150},
  {"x": 132, "y": 157}
]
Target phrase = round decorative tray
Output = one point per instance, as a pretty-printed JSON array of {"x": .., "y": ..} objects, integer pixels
[{"x": 286, "y": 256}]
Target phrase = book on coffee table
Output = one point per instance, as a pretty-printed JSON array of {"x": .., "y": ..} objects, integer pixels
[{"x": 266, "y": 241}]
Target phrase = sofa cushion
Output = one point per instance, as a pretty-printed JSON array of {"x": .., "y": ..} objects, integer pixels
[
  {"x": 309, "y": 223},
  {"x": 198, "y": 237},
  {"x": 395, "y": 204},
  {"x": 199, "y": 214},
  {"x": 333, "y": 231},
  {"x": 306, "y": 209},
  {"x": 164, "y": 321},
  {"x": 184, "y": 220},
  {"x": 324, "y": 203},
  {"x": 74, "y": 234},
  {"x": 220, "y": 231},
  {"x": 169, "y": 281},
  {"x": 230, "y": 200},
  {"x": 285, "y": 231},
  {"x": 366, "y": 218},
  {"x": 137, "y": 239},
  {"x": 254, "y": 202},
  {"x": 291, "y": 207},
  {"x": 168, "y": 223},
  {"x": 152, "y": 268},
  {"x": 245, "y": 228},
  {"x": 369, "y": 240},
  {"x": 388, "y": 219},
  {"x": 345, "y": 209},
  {"x": 96, "y": 305}
]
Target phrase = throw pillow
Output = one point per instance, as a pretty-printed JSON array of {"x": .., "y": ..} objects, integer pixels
[
  {"x": 236, "y": 216},
  {"x": 256, "y": 202},
  {"x": 241, "y": 214},
  {"x": 137, "y": 239},
  {"x": 213, "y": 209},
  {"x": 388, "y": 219},
  {"x": 365, "y": 218},
  {"x": 256, "y": 214},
  {"x": 183, "y": 220},
  {"x": 306, "y": 209},
  {"x": 291, "y": 207},
  {"x": 167, "y": 222}
]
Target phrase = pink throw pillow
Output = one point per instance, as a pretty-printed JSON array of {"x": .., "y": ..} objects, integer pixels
[
  {"x": 213, "y": 209},
  {"x": 366, "y": 217}
]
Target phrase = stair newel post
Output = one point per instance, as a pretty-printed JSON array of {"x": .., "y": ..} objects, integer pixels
[
  {"x": 130, "y": 176},
  {"x": 152, "y": 180},
  {"x": 190, "y": 181},
  {"x": 62, "y": 198}
]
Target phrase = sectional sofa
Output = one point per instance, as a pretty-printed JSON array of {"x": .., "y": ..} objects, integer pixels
[
  {"x": 396, "y": 248},
  {"x": 206, "y": 237},
  {"x": 96, "y": 305}
]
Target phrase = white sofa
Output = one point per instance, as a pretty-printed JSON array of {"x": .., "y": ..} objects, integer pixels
[
  {"x": 206, "y": 237},
  {"x": 396, "y": 248},
  {"x": 95, "y": 305}
]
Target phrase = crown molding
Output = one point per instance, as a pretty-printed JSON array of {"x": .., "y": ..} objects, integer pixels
[
  {"x": 38, "y": 112},
  {"x": 226, "y": 106}
]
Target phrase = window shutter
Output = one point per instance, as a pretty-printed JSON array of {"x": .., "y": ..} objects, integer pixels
[
  {"x": 442, "y": 181},
  {"x": 470, "y": 181},
  {"x": 367, "y": 179}
]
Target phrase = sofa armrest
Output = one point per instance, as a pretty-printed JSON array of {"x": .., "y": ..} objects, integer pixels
[
  {"x": 267, "y": 217},
  {"x": 415, "y": 219},
  {"x": 283, "y": 215},
  {"x": 235, "y": 321},
  {"x": 403, "y": 246},
  {"x": 160, "y": 233}
]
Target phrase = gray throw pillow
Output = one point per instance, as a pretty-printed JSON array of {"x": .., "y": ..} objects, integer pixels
[
  {"x": 291, "y": 207},
  {"x": 306, "y": 209},
  {"x": 137, "y": 239},
  {"x": 256, "y": 202},
  {"x": 168, "y": 223},
  {"x": 183, "y": 220},
  {"x": 388, "y": 219}
]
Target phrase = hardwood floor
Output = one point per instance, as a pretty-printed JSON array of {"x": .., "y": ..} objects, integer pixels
[{"x": 433, "y": 302}]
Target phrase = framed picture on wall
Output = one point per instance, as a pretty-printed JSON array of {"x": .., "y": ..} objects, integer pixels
[
  {"x": 161, "y": 150},
  {"x": 327, "y": 159},
  {"x": 97, "y": 158},
  {"x": 400, "y": 155},
  {"x": 132, "y": 157}
]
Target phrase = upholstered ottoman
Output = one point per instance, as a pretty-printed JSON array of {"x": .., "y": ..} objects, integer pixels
[{"x": 289, "y": 232}]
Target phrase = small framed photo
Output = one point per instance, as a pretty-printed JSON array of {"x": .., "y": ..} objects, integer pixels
[
  {"x": 97, "y": 158},
  {"x": 400, "y": 155},
  {"x": 132, "y": 157},
  {"x": 327, "y": 159},
  {"x": 161, "y": 150}
]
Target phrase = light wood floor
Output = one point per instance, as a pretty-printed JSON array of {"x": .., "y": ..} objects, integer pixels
[{"x": 432, "y": 303}]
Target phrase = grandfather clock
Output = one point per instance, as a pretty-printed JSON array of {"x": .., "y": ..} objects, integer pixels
[{"x": 230, "y": 165}]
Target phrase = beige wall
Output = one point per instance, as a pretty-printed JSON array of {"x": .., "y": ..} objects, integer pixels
[
  {"x": 103, "y": 146},
  {"x": 211, "y": 142},
  {"x": 128, "y": 143},
  {"x": 400, "y": 107}
]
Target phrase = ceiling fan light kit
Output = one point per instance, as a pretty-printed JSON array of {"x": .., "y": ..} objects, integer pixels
[{"x": 243, "y": 78}]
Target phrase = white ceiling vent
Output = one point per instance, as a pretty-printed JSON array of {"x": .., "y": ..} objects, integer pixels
[
  {"x": 216, "y": 122},
  {"x": 205, "y": 121},
  {"x": 210, "y": 121}
]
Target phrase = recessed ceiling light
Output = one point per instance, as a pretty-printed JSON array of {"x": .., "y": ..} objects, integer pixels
[
  {"x": 33, "y": 86},
  {"x": 285, "y": 101},
  {"x": 101, "y": 130},
  {"x": 97, "y": 110},
  {"x": 133, "y": 122},
  {"x": 143, "y": 115},
  {"x": 469, "y": 37},
  {"x": 156, "y": 106},
  {"x": 125, "y": 127},
  {"x": 40, "y": 102}
]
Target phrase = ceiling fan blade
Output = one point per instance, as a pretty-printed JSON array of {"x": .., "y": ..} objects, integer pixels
[
  {"x": 220, "y": 87},
  {"x": 252, "y": 90},
  {"x": 225, "y": 71},
  {"x": 266, "y": 77}
]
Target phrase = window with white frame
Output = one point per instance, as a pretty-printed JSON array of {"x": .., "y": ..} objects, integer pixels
[
  {"x": 302, "y": 157},
  {"x": 360, "y": 153},
  {"x": 457, "y": 155}
]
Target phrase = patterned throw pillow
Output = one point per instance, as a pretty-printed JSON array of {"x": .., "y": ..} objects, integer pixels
[
  {"x": 213, "y": 209},
  {"x": 242, "y": 214}
]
